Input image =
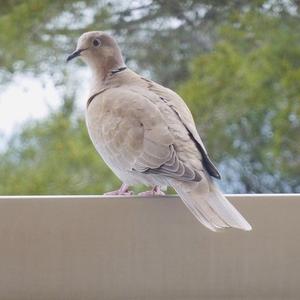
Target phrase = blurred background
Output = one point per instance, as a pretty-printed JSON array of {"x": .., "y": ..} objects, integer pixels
[{"x": 236, "y": 63}]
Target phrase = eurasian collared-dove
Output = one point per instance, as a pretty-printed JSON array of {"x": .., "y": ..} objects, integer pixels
[{"x": 146, "y": 134}]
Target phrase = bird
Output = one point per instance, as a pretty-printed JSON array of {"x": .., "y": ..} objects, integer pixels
[{"x": 146, "y": 134}]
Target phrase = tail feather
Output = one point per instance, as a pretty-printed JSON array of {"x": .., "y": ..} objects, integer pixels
[
  {"x": 198, "y": 214},
  {"x": 227, "y": 211},
  {"x": 209, "y": 206}
]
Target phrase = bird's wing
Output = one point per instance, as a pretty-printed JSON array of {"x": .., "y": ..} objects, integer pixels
[
  {"x": 138, "y": 138},
  {"x": 180, "y": 108}
]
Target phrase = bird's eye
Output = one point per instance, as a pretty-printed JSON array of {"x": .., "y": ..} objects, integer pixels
[{"x": 96, "y": 42}]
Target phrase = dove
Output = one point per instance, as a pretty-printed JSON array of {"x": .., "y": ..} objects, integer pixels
[{"x": 146, "y": 134}]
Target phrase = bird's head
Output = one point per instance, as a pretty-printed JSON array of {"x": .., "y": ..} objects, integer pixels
[{"x": 98, "y": 49}]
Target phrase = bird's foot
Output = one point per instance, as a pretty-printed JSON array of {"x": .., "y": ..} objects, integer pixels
[
  {"x": 154, "y": 192},
  {"x": 122, "y": 191}
]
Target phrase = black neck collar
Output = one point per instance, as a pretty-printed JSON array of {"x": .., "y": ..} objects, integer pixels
[
  {"x": 118, "y": 70},
  {"x": 104, "y": 89}
]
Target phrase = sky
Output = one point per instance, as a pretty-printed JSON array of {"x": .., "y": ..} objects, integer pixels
[
  {"x": 23, "y": 99},
  {"x": 28, "y": 98}
]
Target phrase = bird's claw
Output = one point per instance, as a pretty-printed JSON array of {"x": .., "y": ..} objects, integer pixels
[
  {"x": 119, "y": 193},
  {"x": 154, "y": 192},
  {"x": 122, "y": 191}
]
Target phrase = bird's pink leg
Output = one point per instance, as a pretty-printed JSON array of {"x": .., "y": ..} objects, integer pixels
[
  {"x": 154, "y": 192},
  {"x": 122, "y": 191}
]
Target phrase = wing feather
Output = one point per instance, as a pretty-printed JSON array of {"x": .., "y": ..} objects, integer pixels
[
  {"x": 185, "y": 116},
  {"x": 142, "y": 141}
]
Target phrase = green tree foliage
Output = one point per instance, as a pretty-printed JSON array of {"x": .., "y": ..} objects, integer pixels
[
  {"x": 54, "y": 156},
  {"x": 245, "y": 94},
  {"x": 155, "y": 35},
  {"x": 36, "y": 35}
]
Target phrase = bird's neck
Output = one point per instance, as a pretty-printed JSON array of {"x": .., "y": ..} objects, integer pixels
[{"x": 102, "y": 71}]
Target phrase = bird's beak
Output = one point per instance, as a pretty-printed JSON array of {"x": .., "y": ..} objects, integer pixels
[{"x": 74, "y": 54}]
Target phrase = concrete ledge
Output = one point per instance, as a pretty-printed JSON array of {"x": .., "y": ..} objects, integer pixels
[{"x": 138, "y": 248}]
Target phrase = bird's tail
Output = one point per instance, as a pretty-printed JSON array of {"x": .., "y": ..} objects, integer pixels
[{"x": 211, "y": 208}]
